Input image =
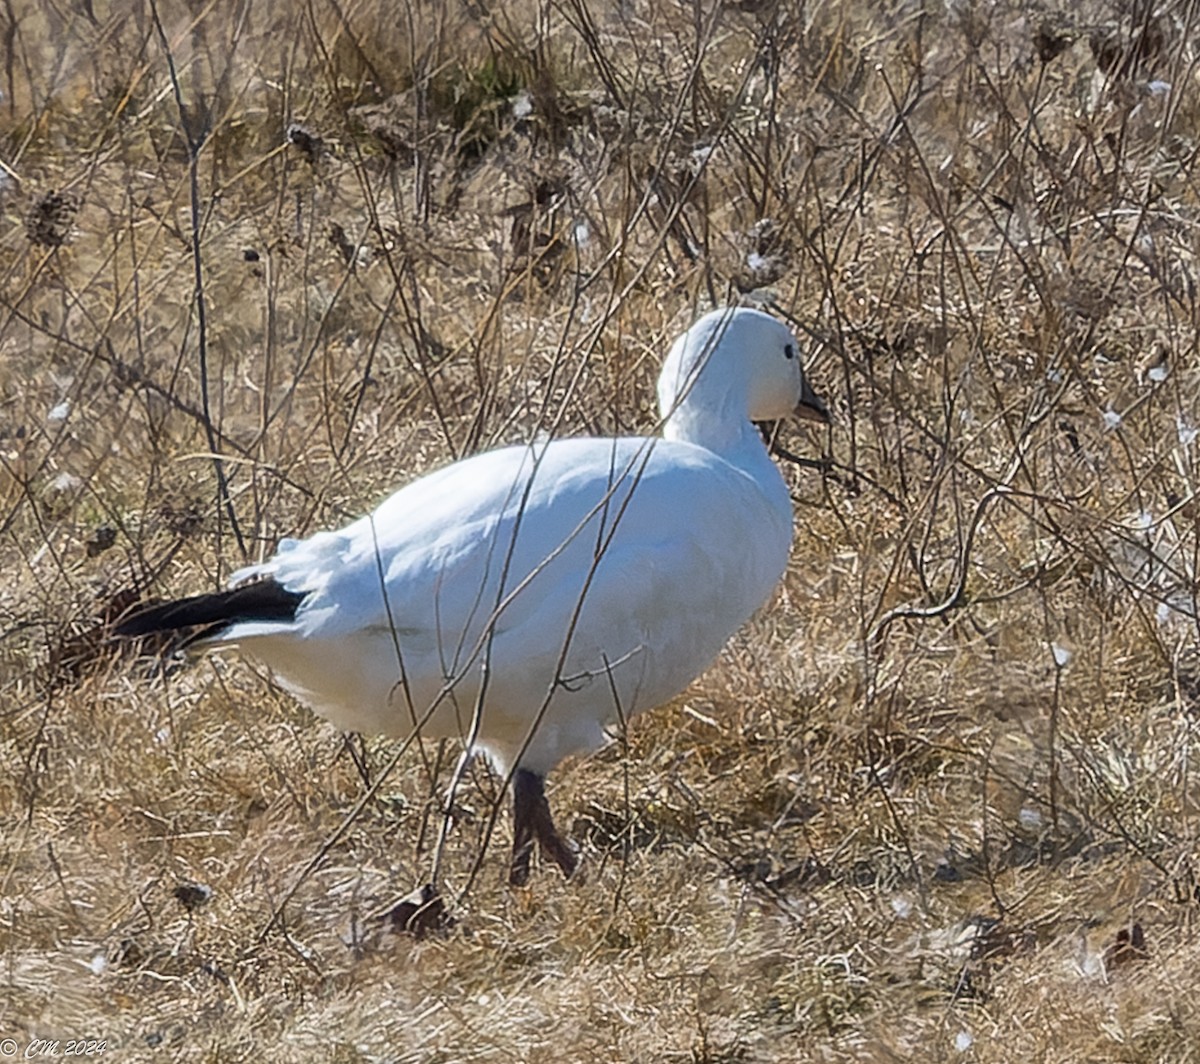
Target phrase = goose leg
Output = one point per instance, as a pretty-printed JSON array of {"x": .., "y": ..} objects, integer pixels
[
  {"x": 419, "y": 913},
  {"x": 532, "y": 820}
]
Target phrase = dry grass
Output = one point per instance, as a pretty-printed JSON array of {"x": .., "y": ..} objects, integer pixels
[{"x": 935, "y": 802}]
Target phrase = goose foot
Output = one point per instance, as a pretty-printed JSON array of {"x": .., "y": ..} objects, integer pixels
[
  {"x": 419, "y": 913},
  {"x": 532, "y": 821}
]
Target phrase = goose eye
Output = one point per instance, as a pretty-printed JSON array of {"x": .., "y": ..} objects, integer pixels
[{"x": 789, "y": 351}]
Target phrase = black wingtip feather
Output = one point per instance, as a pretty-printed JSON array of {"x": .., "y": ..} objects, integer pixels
[{"x": 264, "y": 600}]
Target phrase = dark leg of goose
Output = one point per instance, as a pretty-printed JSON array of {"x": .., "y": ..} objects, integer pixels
[
  {"x": 532, "y": 820},
  {"x": 526, "y": 790}
]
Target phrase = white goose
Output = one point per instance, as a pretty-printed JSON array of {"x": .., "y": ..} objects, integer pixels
[{"x": 523, "y": 598}]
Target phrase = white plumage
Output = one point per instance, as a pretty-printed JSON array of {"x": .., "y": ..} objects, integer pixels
[{"x": 527, "y": 596}]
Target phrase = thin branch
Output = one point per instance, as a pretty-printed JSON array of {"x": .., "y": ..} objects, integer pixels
[{"x": 195, "y": 140}]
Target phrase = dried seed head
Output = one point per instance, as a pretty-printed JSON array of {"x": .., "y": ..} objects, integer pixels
[
  {"x": 1051, "y": 39},
  {"x": 309, "y": 143},
  {"x": 193, "y": 896},
  {"x": 51, "y": 220}
]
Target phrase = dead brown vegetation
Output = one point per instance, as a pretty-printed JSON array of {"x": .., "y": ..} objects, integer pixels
[{"x": 261, "y": 263}]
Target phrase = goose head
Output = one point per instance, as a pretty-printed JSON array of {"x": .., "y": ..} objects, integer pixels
[{"x": 735, "y": 366}]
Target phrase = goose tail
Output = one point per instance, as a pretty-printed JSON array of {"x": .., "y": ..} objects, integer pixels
[{"x": 213, "y": 613}]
